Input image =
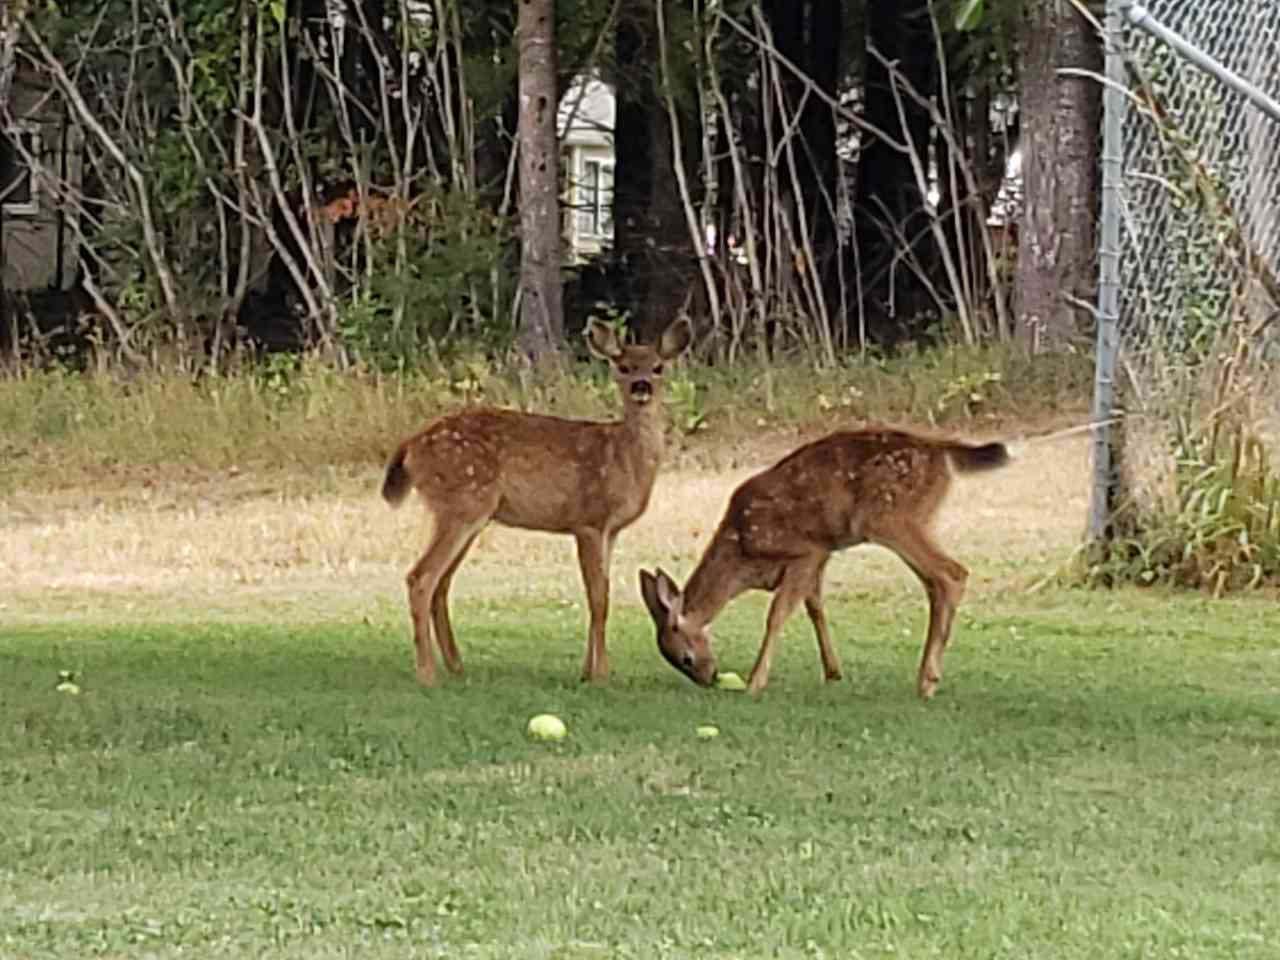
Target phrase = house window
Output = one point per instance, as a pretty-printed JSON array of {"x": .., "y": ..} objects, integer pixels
[
  {"x": 595, "y": 198},
  {"x": 18, "y": 192}
]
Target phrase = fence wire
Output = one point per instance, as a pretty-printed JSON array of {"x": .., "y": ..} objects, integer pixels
[
  {"x": 1200, "y": 198},
  {"x": 1189, "y": 300}
]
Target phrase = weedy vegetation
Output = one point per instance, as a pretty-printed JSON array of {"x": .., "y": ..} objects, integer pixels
[{"x": 68, "y": 428}]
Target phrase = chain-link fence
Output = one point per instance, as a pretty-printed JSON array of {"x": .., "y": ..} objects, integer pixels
[
  {"x": 1191, "y": 232},
  {"x": 1201, "y": 188}
]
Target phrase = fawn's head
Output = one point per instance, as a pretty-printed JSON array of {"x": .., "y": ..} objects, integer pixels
[
  {"x": 685, "y": 647},
  {"x": 638, "y": 368}
]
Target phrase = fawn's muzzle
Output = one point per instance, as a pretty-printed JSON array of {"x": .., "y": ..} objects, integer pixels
[
  {"x": 701, "y": 671},
  {"x": 642, "y": 390}
]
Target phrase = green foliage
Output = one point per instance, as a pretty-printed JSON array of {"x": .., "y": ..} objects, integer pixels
[
  {"x": 161, "y": 89},
  {"x": 969, "y": 14},
  {"x": 278, "y": 372},
  {"x": 686, "y": 402},
  {"x": 582, "y": 31},
  {"x": 982, "y": 39},
  {"x": 969, "y": 391},
  {"x": 1218, "y": 530},
  {"x": 443, "y": 269},
  {"x": 455, "y": 272}
]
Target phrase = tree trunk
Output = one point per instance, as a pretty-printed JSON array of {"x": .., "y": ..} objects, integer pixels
[
  {"x": 1060, "y": 164},
  {"x": 650, "y": 232},
  {"x": 541, "y": 310}
]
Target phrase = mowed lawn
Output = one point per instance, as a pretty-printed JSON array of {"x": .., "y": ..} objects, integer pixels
[
  {"x": 251, "y": 770},
  {"x": 1099, "y": 777}
]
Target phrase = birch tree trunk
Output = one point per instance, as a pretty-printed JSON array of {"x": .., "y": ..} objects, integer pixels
[{"x": 541, "y": 310}]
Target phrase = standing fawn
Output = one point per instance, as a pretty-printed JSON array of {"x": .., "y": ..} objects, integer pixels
[
  {"x": 587, "y": 479},
  {"x": 879, "y": 486}
]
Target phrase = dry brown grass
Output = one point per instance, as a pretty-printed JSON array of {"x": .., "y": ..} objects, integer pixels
[{"x": 290, "y": 547}]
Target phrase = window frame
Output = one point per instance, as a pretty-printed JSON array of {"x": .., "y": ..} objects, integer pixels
[
  {"x": 592, "y": 196},
  {"x": 31, "y": 206}
]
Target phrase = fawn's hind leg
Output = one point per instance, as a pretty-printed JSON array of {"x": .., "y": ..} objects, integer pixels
[
  {"x": 944, "y": 582},
  {"x": 449, "y": 539},
  {"x": 440, "y": 611}
]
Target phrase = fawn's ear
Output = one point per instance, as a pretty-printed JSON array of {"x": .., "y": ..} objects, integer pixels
[
  {"x": 675, "y": 339},
  {"x": 661, "y": 596},
  {"x": 603, "y": 341},
  {"x": 668, "y": 594},
  {"x": 649, "y": 590}
]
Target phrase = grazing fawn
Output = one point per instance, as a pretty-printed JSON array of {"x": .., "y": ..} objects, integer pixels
[
  {"x": 587, "y": 479},
  {"x": 781, "y": 526}
]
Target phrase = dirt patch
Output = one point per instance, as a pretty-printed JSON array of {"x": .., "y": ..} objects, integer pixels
[{"x": 311, "y": 547}]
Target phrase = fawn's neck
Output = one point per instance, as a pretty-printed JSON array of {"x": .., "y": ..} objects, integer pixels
[
  {"x": 646, "y": 427},
  {"x": 712, "y": 584}
]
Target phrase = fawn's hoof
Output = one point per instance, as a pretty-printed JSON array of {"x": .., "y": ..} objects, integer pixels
[
  {"x": 927, "y": 687},
  {"x": 832, "y": 676},
  {"x": 426, "y": 678},
  {"x": 595, "y": 669}
]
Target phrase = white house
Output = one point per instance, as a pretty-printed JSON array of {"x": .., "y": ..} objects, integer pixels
[{"x": 584, "y": 125}]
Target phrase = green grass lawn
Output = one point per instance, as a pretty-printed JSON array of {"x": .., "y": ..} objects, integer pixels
[{"x": 1098, "y": 778}]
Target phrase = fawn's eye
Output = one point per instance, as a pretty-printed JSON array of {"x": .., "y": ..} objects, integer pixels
[
  {"x": 657, "y": 370},
  {"x": 686, "y": 660},
  {"x": 624, "y": 369}
]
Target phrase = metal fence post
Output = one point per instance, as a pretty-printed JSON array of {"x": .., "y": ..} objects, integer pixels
[
  {"x": 1114, "y": 104},
  {"x": 1141, "y": 17}
]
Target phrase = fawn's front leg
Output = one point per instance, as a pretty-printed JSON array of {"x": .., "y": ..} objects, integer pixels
[
  {"x": 818, "y": 617},
  {"x": 595, "y": 549},
  {"x": 796, "y": 584}
]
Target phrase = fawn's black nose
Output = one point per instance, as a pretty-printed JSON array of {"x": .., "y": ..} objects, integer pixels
[{"x": 642, "y": 390}]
